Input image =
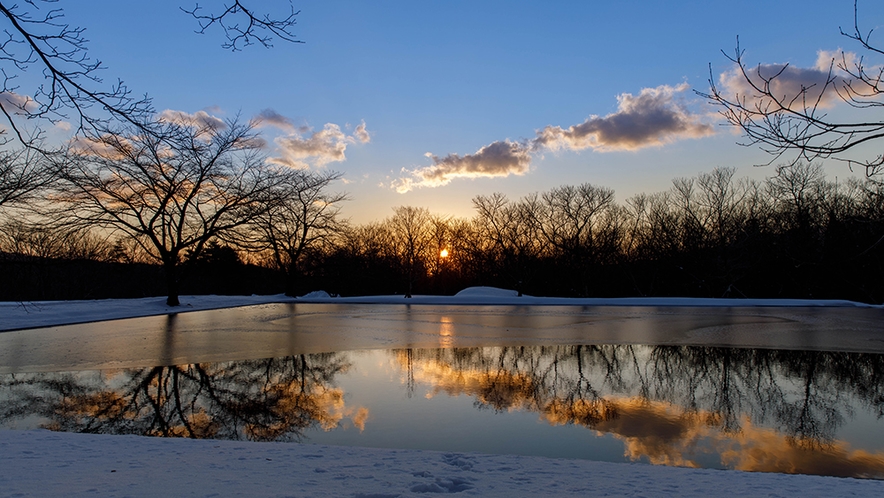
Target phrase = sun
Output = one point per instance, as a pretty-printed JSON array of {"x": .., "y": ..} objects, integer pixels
[{"x": 443, "y": 253}]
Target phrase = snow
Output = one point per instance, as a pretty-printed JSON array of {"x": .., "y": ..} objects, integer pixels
[
  {"x": 44, "y": 463},
  {"x": 33, "y": 314},
  {"x": 486, "y": 292}
]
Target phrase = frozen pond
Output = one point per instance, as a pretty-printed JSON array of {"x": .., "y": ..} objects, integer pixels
[{"x": 768, "y": 389}]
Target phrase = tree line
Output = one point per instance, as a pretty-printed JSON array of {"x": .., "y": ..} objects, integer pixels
[
  {"x": 195, "y": 206},
  {"x": 793, "y": 235}
]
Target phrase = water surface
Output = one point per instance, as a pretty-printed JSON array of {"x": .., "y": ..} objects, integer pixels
[
  {"x": 274, "y": 330},
  {"x": 770, "y": 410},
  {"x": 765, "y": 389}
]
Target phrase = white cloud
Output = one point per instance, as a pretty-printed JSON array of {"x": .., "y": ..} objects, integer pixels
[
  {"x": 106, "y": 147},
  {"x": 499, "y": 159},
  {"x": 654, "y": 117},
  {"x": 797, "y": 86},
  {"x": 200, "y": 120},
  {"x": 362, "y": 134},
  {"x": 15, "y": 103},
  {"x": 301, "y": 148}
]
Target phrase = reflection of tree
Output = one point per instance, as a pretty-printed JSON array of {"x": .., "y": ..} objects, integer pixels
[
  {"x": 665, "y": 400},
  {"x": 260, "y": 400}
]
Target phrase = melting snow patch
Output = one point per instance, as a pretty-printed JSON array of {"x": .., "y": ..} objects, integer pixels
[
  {"x": 486, "y": 292},
  {"x": 320, "y": 294}
]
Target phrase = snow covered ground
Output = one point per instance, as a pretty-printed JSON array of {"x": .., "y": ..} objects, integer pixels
[
  {"x": 16, "y": 315},
  {"x": 44, "y": 463}
]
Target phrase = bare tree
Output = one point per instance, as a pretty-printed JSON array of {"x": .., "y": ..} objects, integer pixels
[
  {"x": 305, "y": 216},
  {"x": 784, "y": 122},
  {"x": 795, "y": 187},
  {"x": 410, "y": 228},
  {"x": 567, "y": 218},
  {"x": 37, "y": 40},
  {"x": 23, "y": 173},
  {"x": 515, "y": 237},
  {"x": 170, "y": 192}
]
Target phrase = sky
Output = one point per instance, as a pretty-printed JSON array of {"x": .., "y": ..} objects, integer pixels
[{"x": 430, "y": 104}]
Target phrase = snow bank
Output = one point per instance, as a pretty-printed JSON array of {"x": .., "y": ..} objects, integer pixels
[
  {"x": 43, "y": 463},
  {"x": 24, "y": 315},
  {"x": 33, "y": 314},
  {"x": 486, "y": 292},
  {"x": 495, "y": 296}
]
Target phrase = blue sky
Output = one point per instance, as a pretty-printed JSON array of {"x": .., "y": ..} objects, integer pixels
[{"x": 473, "y": 85}]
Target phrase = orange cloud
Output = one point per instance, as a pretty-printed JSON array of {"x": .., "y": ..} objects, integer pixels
[{"x": 498, "y": 159}]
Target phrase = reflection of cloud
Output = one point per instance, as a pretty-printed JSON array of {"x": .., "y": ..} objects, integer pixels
[
  {"x": 651, "y": 118},
  {"x": 359, "y": 417},
  {"x": 668, "y": 435},
  {"x": 787, "y": 82},
  {"x": 654, "y": 117},
  {"x": 501, "y": 390},
  {"x": 657, "y": 431},
  {"x": 495, "y": 160}
]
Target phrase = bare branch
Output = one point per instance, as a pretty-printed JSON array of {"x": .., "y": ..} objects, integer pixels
[
  {"x": 243, "y": 27},
  {"x": 795, "y": 124}
]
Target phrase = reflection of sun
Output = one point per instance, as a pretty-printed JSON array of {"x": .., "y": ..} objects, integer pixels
[
  {"x": 443, "y": 253},
  {"x": 446, "y": 333}
]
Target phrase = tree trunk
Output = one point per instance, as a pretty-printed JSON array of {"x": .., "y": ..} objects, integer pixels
[{"x": 171, "y": 284}]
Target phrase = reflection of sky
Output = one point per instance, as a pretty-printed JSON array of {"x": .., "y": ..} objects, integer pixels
[
  {"x": 655, "y": 431},
  {"x": 537, "y": 401}
]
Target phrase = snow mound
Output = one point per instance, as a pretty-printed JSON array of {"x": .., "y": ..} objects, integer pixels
[
  {"x": 486, "y": 292},
  {"x": 320, "y": 294}
]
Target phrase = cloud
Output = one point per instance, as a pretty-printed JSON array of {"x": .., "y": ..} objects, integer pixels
[
  {"x": 15, "y": 103},
  {"x": 300, "y": 148},
  {"x": 793, "y": 85},
  {"x": 362, "y": 134},
  {"x": 269, "y": 117},
  {"x": 110, "y": 147},
  {"x": 652, "y": 118},
  {"x": 499, "y": 159},
  {"x": 201, "y": 120}
]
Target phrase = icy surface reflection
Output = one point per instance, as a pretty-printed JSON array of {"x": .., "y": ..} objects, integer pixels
[{"x": 751, "y": 409}]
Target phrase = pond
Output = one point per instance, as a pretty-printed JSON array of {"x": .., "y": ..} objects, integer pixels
[{"x": 764, "y": 389}]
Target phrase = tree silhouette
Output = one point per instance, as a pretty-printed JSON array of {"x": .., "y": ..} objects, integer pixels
[
  {"x": 795, "y": 122},
  {"x": 172, "y": 192}
]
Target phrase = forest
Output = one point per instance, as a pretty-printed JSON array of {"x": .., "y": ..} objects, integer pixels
[{"x": 122, "y": 218}]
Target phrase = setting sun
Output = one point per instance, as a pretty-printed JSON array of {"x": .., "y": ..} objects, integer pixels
[{"x": 443, "y": 253}]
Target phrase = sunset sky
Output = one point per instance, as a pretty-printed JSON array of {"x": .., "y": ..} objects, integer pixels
[{"x": 432, "y": 103}]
